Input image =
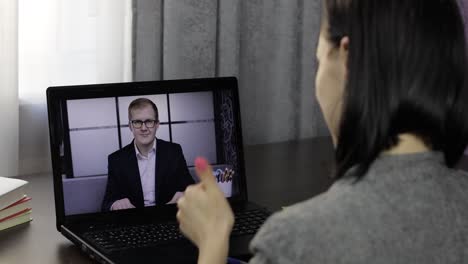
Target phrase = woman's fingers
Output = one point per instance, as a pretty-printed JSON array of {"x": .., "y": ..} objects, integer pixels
[
  {"x": 182, "y": 219},
  {"x": 205, "y": 172},
  {"x": 204, "y": 213}
]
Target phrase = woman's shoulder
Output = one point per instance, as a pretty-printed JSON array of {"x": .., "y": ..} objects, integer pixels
[{"x": 394, "y": 203}]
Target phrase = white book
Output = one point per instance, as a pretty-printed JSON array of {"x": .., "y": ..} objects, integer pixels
[
  {"x": 11, "y": 190},
  {"x": 13, "y": 209},
  {"x": 19, "y": 219}
]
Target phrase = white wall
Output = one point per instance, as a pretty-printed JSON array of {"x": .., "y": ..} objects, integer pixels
[{"x": 8, "y": 88}]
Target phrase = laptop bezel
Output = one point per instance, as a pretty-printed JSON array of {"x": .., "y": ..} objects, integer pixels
[{"x": 57, "y": 93}]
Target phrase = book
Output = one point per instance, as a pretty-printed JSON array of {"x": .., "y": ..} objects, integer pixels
[
  {"x": 16, "y": 220},
  {"x": 11, "y": 190},
  {"x": 17, "y": 207}
]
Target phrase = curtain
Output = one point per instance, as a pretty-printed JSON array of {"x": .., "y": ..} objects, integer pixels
[
  {"x": 268, "y": 44},
  {"x": 64, "y": 43},
  {"x": 464, "y": 11},
  {"x": 9, "y": 87}
]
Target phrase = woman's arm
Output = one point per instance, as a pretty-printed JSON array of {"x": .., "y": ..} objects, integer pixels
[
  {"x": 214, "y": 251},
  {"x": 205, "y": 216}
]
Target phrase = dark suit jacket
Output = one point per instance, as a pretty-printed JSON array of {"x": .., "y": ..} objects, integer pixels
[{"x": 123, "y": 180}]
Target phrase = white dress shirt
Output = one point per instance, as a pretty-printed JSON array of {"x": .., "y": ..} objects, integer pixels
[{"x": 147, "y": 168}]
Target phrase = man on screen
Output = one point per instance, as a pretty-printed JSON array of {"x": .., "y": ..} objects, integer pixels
[{"x": 147, "y": 171}]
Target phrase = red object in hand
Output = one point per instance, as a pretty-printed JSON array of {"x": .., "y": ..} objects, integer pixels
[{"x": 201, "y": 163}]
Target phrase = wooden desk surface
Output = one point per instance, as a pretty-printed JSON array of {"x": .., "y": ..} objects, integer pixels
[{"x": 278, "y": 175}]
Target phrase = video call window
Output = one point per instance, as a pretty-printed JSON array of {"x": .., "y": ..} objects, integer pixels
[
  {"x": 99, "y": 127},
  {"x": 202, "y": 123}
]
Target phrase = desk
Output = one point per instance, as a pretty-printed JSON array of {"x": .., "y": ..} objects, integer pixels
[{"x": 292, "y": 171}]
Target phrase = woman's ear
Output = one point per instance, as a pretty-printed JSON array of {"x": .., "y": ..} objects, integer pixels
[
  {"x": 343, "y": 53},
  {"x": 344, "y": 45}
]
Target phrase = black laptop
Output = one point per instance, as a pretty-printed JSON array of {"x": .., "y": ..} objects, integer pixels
[{"x": 89, "y": 122}]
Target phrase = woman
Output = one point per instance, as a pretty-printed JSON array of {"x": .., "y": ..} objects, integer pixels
[{"x": 391, "y": 85}]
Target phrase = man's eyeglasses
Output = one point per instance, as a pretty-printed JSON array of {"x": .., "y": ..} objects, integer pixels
[{"x": 150, "y": 123}]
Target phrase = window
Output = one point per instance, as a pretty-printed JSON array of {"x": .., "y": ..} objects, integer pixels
[{"x": 72, "y": 42}]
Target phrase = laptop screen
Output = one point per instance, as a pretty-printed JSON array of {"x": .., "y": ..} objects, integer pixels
[{"x": 119, "y": 146}]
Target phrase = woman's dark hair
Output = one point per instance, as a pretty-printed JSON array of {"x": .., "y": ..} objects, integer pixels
[{"x": 406, "y": 66}]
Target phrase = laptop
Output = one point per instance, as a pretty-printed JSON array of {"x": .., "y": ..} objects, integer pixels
[{"x": 87, "y": 123}]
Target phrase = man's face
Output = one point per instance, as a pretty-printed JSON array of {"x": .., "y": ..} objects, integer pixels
[{"x": 143, "y": 135}]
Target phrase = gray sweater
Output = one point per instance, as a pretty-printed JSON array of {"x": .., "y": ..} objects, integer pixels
[{"x": 407, "y": 209}]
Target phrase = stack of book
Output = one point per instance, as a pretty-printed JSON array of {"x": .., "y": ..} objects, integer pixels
[{"x": 15, "y": 205}]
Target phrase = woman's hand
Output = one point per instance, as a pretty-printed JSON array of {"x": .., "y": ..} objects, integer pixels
[{"x": 205, "y": 216}]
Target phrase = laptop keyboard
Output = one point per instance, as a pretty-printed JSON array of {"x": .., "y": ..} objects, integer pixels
[
  {"x": 138, "y": 236},
  {"x": 248, "y": 222},
  {"x": 134, "y": 236}
]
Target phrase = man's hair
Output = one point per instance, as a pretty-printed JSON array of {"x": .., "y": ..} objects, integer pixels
[
  {"x": 140, "y": 103},
  {"x": 406, "y": 74}
]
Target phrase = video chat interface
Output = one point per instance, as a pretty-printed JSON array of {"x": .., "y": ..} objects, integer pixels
[{"x": 201, "y": 122}]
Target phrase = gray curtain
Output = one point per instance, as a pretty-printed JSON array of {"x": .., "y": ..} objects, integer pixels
[
  {"x": 268, "y": 44},
  {"x": 464, "y": 11}
]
